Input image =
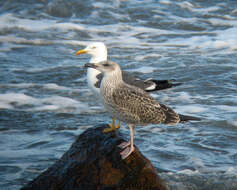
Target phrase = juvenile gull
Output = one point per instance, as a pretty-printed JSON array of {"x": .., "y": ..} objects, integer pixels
[
  {"x": 131, "y": 104},
  {"x": 98, "y": 52}
]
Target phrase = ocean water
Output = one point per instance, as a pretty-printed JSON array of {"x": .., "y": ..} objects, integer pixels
[{"x": 45, "y": 102}]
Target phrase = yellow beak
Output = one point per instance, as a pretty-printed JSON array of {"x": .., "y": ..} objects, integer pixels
[{"x": 82, "y": 51}]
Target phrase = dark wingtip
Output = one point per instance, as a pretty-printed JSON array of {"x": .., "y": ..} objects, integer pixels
[
  {"x": 164, "y": 84},
  {"x": 185, "y": 118},
  {"x": 176, "y": 84}
]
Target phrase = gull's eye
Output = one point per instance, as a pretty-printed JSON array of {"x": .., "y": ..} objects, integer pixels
[{"x": 106, "y": 64}]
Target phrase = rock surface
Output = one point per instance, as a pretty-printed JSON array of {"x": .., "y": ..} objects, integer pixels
[{"x": 94, "y": 162}]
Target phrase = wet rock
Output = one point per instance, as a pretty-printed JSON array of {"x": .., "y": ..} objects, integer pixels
[{"x": 94, "y": 162}]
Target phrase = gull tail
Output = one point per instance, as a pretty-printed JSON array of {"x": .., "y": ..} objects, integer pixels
[
  {"x": 161, "y": 84},
  {"x": 185, "y": 118},
  {"x": 171, "y": 117}
]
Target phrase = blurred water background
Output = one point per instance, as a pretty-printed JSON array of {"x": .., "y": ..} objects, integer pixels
[{"x": 45, "y": 102}]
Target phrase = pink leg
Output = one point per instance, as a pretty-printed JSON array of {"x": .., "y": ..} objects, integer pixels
[
  {"x": 128, "y": 150},
  {"x": 124, "y": 144}
]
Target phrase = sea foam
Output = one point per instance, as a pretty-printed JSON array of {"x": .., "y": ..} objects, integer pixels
[{"x": 14, "y": 101}]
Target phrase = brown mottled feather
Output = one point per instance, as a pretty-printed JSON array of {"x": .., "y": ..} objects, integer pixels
[
  {"x": 131, "y": 104},
  {"x": 135, "y": 106}
]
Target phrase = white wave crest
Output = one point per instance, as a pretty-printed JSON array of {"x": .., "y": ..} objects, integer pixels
[{"x": 60, "y": 104}]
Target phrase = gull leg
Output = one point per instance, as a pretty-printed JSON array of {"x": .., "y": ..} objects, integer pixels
[
  {"x": 119, "y": 125},
  {"x": 112, "y": 127},
  {"x": 129, "y": 149},
  {"x": 124, "y": 144}
]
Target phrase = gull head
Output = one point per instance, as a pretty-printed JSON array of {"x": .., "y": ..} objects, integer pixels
[
  {"x": 106, "y": 67},
  {"x": 97, "y": 50}
]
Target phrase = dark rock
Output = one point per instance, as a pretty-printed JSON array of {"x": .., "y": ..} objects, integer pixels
[{"x": 94, "y": 162}]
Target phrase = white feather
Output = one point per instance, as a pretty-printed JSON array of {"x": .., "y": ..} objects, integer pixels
[{"x": 152, "y": 87}]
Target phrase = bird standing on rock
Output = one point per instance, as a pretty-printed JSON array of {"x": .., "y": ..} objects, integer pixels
[
  {"x": 131, "y": 104},
  {"x": 98, "y": 52}
]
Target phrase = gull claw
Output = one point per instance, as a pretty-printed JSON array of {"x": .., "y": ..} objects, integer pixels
[
  {"x": 126, "y": 152},
  {"x": 124, "y": 144},
  {"x": 112, "y": 127}
]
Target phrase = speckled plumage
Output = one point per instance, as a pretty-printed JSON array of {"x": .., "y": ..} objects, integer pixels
[{"x": 132, "y": 104}]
